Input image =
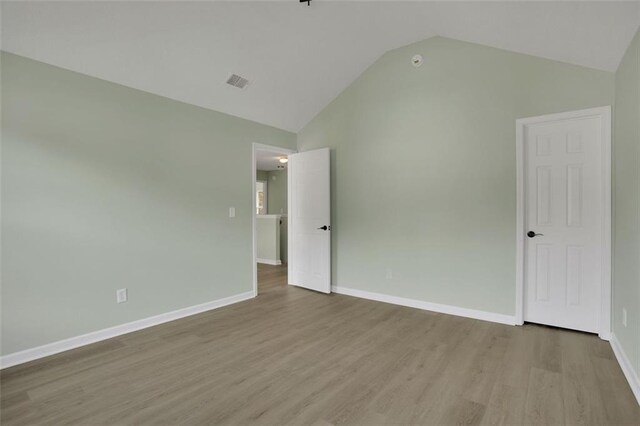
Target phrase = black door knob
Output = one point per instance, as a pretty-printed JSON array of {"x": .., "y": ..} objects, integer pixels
[
  {"x": 324, "y": 227},
  {"x": 532, "y": 234}
]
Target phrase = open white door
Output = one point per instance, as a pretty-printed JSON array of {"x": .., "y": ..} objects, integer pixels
[{"x": 310, "y": 220}]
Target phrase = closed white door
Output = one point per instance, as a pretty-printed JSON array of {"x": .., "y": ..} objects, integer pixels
[
  {"x": 310, "y": 220},
  {"x": 564, "y": 223}
]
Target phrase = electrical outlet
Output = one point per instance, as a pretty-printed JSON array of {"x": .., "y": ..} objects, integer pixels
[
  {"x": 121, "y": 295},
  {"x": 624, "y": 317},
  {"x": 232, "y": 212},
  {"x": 389, "y": 273}
]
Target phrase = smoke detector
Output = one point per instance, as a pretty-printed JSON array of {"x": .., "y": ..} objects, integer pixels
[
  {"x": 237, "y": 81},
  {"x": 416, "y": 61}
]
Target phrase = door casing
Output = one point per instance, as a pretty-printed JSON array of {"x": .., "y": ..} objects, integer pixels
[{"x": 604, "y": 113}]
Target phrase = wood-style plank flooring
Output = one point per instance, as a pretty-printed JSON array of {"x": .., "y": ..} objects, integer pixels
[{"x": 292, "y": 356}]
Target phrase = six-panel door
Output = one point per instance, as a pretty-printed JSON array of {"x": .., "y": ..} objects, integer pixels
[{"x": 563, "y": 267}]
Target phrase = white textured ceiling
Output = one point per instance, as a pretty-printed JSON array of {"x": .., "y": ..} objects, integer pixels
[
  {"x": 268, "y": 161},
  {"x": 297, "y": 58}
]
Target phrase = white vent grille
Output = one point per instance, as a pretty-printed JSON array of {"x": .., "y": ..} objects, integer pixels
[{"x": 237, "y": 81}]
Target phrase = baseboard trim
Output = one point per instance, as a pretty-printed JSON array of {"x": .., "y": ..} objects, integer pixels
[
  {"x": 269, "y": 261},
  {"x": 427, "y": 306},
  {"x": 75, "y": 342},
  {"x": 626, "y": 366}
]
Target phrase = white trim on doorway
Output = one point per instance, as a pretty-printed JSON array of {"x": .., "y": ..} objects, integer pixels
[
  {"x": 604, "y": 113},
  {"x": 259, "y": 147}
]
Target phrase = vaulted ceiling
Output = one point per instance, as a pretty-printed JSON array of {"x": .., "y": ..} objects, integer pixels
[{"x": 297, "y": 58}]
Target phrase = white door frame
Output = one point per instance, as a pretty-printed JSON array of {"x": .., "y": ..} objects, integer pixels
[
  {"x": 259, "y": 147},
  {"x": 604, "y": 113}
]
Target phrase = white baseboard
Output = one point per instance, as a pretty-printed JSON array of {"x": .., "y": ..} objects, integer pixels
[
  {"x": 427, "y": 306},
  {"x": 269, "y": 261},
  {"x": 627, "y": 367},
  {"x": 107, "y": 333}
]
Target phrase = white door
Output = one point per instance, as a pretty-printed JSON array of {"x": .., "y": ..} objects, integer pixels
[
  {"x": 309, "y": 220},
  {"x": 564, "y": 222}
]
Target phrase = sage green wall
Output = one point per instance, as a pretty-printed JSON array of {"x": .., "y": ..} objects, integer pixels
[
  {"x": 626, "y": 154},
  {"x": 277, "y": 195},
  {"x": 424, "y": 171},
  {"x": 276, "y": 190},
  {"x": 105, "y": 187},
  {"x": 277, "y": 202},
  {"x": 278, "y": 205}
]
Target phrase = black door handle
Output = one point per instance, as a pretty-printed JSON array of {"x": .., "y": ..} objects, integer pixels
[
  {"x": 325, "y": 227},
  {"x": 532, "y": 234}
]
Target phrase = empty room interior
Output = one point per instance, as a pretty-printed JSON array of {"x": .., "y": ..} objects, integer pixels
[{"x": 320, "y": 213}]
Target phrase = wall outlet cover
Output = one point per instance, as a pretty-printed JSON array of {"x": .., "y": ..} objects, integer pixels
[{"x": 121, "y": 295}]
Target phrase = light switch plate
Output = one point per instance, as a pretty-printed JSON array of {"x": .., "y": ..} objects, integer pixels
[{"x": 232, "y": 212}]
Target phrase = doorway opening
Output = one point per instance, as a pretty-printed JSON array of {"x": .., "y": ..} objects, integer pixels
[{"x": 270, "y": 217}]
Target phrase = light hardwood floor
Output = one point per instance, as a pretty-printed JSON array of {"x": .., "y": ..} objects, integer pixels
[{"x": 292, "y": 356}]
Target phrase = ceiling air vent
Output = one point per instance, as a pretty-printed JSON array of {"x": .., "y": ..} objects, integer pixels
[{"x": 237, "y": 81}]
